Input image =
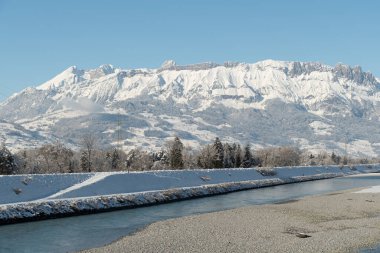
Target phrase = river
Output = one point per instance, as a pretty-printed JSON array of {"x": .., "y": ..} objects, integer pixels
[{"x": 88, "y": 231}]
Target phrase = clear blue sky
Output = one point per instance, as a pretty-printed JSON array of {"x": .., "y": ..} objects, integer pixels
[{"x": 39, "y": 39}]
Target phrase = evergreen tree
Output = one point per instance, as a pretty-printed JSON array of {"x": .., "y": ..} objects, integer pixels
[
  {"x": 115, "y": 162},
  {"x": 85, "y": 164},
  {"x": 24, "y": 161},
  {"x": 176, "y": 159},
  {"x": 7, "y": 162},
  {"x": 71, "y": 167},
  {"x": 229, "y": 157},
  {"x": 218, "y": 158},
  {"x": 247, "y": 157},
  {"x": 345, "y": 160},
  {"x": 238, "y": 156},
  {"x": 161, "y": 156},
  {"x": 335, "y": 158},
  {"x": 199, "y": 162},
  {"x": 232, "y": 155}
]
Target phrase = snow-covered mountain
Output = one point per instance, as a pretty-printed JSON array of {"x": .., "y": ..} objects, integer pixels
[{"x": 267, "y": 103}]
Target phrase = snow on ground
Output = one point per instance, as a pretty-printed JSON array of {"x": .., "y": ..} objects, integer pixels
[
  {"x": 22, "y": 188},
  {"x": 358, "y": 148},
  {"x": 373, "y": 189},
  {"x": 161, "y": 180},
  {"x": 363, "y": 147},
  {"x": 34, "y": 197},
  {"x": 92, "y": 180},
  {"x": 321, "y": 128}
]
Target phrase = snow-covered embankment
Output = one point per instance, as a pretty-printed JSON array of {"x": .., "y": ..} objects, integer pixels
[{"x": 35, "y": 197}]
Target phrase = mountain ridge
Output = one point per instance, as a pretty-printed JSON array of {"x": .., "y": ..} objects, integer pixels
[{"x": 162, "y": 99}]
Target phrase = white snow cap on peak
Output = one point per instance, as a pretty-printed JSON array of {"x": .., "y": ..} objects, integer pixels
[
  {"x": 168, "y": 64},
  {"x": 69, "y": 70},
  {"x": 69, "y": 75},
  {"x": 107, "y": 68}
]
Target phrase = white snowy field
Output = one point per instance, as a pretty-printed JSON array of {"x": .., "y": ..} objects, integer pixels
[
  {"x": 31, "y": 197},
  {"x": 23, "y": 188}
]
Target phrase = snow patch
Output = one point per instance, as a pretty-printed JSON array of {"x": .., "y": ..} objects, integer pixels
[
  {"x": 373, "y": 189},
  {"x": 321, "y": 128},
  {"x": 94, "y": 179}
]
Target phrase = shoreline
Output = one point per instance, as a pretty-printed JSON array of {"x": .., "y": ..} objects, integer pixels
[
  {"x": 68, "y": 195},
  {"x": 343, "y": 221},
  {"x": 60, "y": 208}
]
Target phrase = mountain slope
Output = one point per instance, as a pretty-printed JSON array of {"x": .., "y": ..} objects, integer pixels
[{"x": 267, "y": 103}]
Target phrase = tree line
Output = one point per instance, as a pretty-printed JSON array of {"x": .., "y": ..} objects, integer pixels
[{"x": 58, "y": 158}]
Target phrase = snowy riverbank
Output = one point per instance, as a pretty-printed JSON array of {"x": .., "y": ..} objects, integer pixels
[{"x": 34, "y": 197}]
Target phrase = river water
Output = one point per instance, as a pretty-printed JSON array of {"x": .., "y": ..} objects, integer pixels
[{"x": 88, "y": 231}]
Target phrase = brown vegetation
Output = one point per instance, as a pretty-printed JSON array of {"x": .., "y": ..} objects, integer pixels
[{"x": 58, "y": 158}]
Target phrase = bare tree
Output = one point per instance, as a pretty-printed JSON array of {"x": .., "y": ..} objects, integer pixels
[
  {"x": 55, "y": 158},
  {"x": 205, "y": 158},
  {"x": 279, "y": 156},
  {"x": 139, "y": 160},
  {"x": 88, "y": 145},
  {"x": 189, "y": 158}
]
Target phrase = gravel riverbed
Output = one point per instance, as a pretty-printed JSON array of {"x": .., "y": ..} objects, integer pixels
[{"x": 339, "y": 222}]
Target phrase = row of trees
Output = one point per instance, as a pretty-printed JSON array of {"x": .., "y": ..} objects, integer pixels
[{"x": 58, "y": 158}]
